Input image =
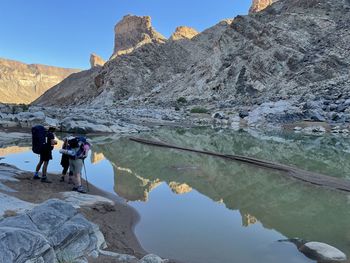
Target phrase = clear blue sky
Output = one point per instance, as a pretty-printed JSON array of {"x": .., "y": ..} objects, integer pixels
[{"x": 65, "y": 32}]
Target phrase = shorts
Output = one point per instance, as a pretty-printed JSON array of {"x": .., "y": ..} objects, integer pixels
[
  {"x": 75, "y": 166},
  {"x": 46, "y": 155}
]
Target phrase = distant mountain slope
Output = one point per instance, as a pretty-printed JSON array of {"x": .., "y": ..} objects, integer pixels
[
  {"x": 23, "y": 83},
  {"x": 292, "y": 50}
]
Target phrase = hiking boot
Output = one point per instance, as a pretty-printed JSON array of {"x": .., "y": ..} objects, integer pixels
[
  {"x": 36, "y": 176},
  {"x": 75, "y": 189},
  {"x": 45, "y": 180},
  {"x": 81, "y": 189},
  {"x": 62, "y": 179}
]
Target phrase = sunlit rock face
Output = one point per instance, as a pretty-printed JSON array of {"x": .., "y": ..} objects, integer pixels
[
  {"x": 259, "y": 5},
  {"x": 96, "y": 61},
  {"x": 23, "y": 83},
  {"x": 184, "y": 32},
  {"x": 133, "y": 32}
]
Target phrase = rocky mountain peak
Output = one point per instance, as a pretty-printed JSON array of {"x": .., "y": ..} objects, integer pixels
[
  {"x": 259, "y": 5},
  {"x": 184, "y": 32},
  {"x": 96, "y": 61},
  {"x": 132, "y": 32}
]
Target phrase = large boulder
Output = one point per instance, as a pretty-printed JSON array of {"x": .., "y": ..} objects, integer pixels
[
  {"x": 49, "y": 232},
  {"x": 322, "y": 252}
]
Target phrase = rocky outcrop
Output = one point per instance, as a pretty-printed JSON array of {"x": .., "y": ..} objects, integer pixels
[
  {"x": 183, "y": 32},
  {"x": 96, "y": 61},
  {"x": 53, "y": 231},
  {"x": 133, "y": 32},
  {"x": 259, "y": 5},
  {"x": 23, "y": 83}
]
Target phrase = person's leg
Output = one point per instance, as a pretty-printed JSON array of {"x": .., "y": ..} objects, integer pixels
[
  {"x": 79, "y": 167},
  {"x": 70, "y": 177},
  {"x": 46, "y": 163},
  {"x": 37, "y": 169},
  {"x": 47, "y": 156},
  {"x": 64, "y": 172},
  {"x": 78, "y": 179}
]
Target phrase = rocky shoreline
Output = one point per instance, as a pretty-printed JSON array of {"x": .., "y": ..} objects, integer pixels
[
  {"x": 309, "y": 117},
  {"x": 59, "y": 226}
]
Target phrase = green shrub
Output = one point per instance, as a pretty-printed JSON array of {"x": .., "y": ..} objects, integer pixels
[
  {"x": 199, "y": 110},
  {"x": 182, "y": 100},
  {"x": 24, "y": 107}
]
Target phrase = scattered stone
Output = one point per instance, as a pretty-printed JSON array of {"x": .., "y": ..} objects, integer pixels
[
  {"x": 150, "y": 258},
  {"x": 314, "y": 129},
  {"x": 218, "y": 115},
  {"x": 120, "y": 257}
]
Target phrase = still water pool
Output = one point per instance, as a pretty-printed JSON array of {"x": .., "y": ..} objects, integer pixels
[{"x": 197, "y": 208}]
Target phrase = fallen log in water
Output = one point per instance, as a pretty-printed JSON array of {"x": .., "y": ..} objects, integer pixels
[{"x": 309, "y": 177}]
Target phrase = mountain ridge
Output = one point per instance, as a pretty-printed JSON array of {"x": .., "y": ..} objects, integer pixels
[{"x": 23, "y": 83}]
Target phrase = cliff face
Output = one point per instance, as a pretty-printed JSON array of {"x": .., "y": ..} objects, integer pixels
[
  {"x": 252, "y": 60},
  {"x": 23, "y": 83},
  {"x": 133, "y": 32}
]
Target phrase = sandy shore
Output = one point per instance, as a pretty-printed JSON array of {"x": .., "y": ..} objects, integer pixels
[{"x": 115, "y": 222}]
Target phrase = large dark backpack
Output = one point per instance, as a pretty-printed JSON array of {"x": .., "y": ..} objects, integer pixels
[{"x": 38, "y": 138}]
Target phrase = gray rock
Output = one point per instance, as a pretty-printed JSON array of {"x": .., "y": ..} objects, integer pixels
[
  {"x": 120, "y": 257},
  {"x": 218, "y": 115},
  {"x": 322, "y": 252},
  {"x": 150, "y": 258},
  {"x": 50, "y": 231}
]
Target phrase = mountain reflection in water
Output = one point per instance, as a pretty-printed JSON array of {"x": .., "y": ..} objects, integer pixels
[{"x": 290, "y": 207}]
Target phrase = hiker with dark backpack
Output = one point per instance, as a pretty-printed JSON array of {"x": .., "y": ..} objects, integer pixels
[
  {"x": 78, "y": 149},
  {"x": 65, "y": 163},
  {"x": 43, "y": 142}
]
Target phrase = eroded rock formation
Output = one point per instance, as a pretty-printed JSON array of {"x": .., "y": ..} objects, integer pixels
[
  {"x": 184, "y": 32},
  {"x": 23, "y": 83},
  {"x": 133, "y": 32},
  {"x": 96, "y": 61},
  {"x": 259, "y": 5}
]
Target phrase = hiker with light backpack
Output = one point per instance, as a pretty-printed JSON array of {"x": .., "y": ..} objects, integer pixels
[
  {"x": 43, "y": 142},
  {"x": 77, "y": 150}
]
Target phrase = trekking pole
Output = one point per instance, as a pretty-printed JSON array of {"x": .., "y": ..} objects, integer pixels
[{"x": 87, "y": 182}]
